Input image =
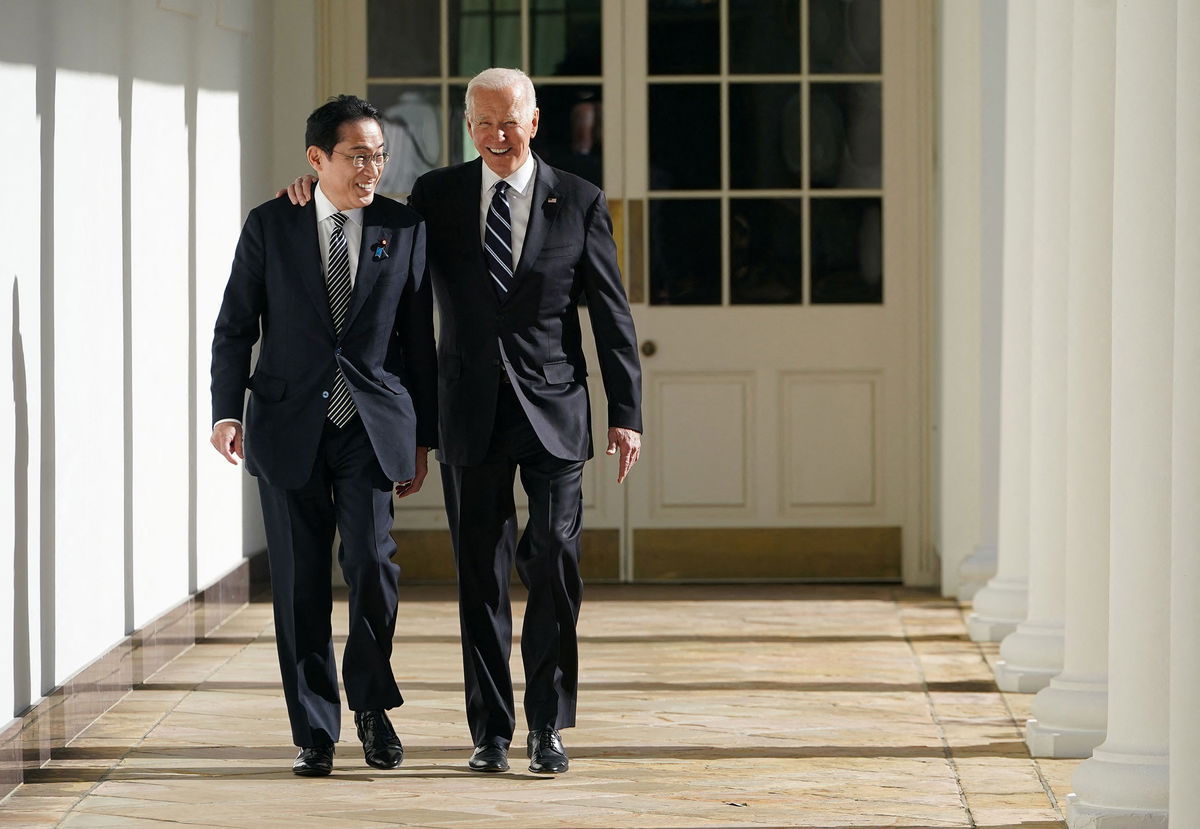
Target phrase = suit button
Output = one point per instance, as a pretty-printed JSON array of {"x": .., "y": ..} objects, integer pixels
[
  {"x": 325, "y": 394},
  {"x": 337, "y": 351}
]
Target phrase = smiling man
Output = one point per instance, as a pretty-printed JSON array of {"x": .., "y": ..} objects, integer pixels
[
  {"x": 342, "y": 408},
  {"x": 514, "y": 246}
]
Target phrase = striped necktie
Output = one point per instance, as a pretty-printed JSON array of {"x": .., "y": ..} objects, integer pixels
[
  {"x": 497, "y": 242},
  {"x": 337, "y": 281}
]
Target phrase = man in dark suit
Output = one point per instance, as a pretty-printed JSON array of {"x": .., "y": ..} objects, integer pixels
[
  {"x": 514, "y": 245},
  {"x": 343, "y": 402},
  {"x": 514, "y": 396}
]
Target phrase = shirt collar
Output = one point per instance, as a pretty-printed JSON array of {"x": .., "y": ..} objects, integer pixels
[
  {"x": 325, "y": 208},
  {"x": 518, "y": 181}
]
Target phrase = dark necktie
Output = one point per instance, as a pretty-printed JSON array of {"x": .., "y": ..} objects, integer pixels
[
  {"x": 497, "y": 242},
  {"x": 337, "y": 281}
]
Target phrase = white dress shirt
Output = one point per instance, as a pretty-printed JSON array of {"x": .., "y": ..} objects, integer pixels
[
  {"x": 351, "y": 229},
  {"x": 520, "y": 202}
]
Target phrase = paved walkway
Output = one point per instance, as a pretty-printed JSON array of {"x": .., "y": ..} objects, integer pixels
[{"x": 714, "y": 706}]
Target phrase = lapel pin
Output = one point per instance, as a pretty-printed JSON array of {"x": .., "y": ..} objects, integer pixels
[
  {"x": 379, "y": 251},
  {"x": 552, "y": 200}
]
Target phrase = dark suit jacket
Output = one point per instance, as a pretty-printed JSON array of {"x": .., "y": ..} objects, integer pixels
[
  {"x": 386, "y": 350},
  {"x": 568, "y": 253}
]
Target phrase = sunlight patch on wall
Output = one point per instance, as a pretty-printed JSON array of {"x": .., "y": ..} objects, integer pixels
[
  {"x": 218, "y": 225},
  {"x": 159, "y": 296},
  {"x": 88, "y": 362}
]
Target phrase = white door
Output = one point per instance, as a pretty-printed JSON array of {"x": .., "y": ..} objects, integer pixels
[
  {"x": 768, "y": 167},
  {"x": 777, "y": 165}
]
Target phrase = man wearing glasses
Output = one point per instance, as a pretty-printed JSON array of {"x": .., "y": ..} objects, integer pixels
[{"x": 343, "y": 406}]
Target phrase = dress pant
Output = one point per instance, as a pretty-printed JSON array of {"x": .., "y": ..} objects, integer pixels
[
  {"x": 347, "y": 491},
  {"x": 483, "y": 528}
]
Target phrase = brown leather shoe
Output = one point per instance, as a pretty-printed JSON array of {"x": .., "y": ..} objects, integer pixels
[
  {"x": 381, "y": 746},
  {"x": 314, "y": 761},
  {"x": 546, "y": 752}
]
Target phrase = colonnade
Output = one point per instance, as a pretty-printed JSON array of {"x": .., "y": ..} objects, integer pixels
[{"x": 1095, "y": 599}]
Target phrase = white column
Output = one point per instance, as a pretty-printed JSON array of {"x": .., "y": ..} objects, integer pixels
[
  {"x": 1124, "y": 783},
  {"x": 1068, "y": 718},
  {"x": 1185, "y": 520},
  {"x": 975, "y": 570},
  {"x": 1032, "y": 654},
  {"x": 958, "y": 289},
  {"x": 1001, "y": 605}
]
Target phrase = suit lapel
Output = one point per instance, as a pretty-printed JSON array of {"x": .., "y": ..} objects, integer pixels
[
  {"x": 309, "y": 265},
  {"x": 469, "y": 196},
  {"x": 368, "y": 269},
  {"x": 543, "y": 211}
]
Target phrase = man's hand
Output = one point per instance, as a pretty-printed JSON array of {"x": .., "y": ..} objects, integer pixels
[
  {"x": 629, "y": 443},
  {"x": 406, "y": 488},
  {"x": 227, "y": 439},
  {"x": 300, "y": 190}
]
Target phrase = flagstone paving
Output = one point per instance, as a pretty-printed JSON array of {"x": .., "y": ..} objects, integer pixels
[{"x": 718, "y": 706}]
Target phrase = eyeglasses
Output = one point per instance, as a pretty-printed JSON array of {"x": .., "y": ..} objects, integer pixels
[{"x": 360, "y": 161}]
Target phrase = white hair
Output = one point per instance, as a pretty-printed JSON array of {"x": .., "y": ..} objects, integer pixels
[{"x": 499, "y": 79}]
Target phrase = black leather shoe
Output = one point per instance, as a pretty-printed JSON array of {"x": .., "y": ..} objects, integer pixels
[
  {"x": 381, "y": 746},
  {"x": 546, "y": 752},
  {"x": 314, "y": 761},
  {"x": 488, "y": 758}
]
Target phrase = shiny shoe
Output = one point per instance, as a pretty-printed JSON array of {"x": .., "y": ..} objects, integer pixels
[
  {"x": 314, "y": 761},
  {"x": 381, "y": 746},
  {"x": 488, "y": 758},
  {"x": 546, "y": 752}
]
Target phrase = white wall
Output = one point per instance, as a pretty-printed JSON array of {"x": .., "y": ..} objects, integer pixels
[
  {"x": 20, "y": 397},
  {"x": 139, "y": 133}
]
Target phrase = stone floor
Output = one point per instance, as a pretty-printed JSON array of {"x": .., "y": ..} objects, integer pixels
[{"x": 701, "y": 706}]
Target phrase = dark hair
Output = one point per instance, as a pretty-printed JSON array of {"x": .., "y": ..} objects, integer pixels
[{"x": 326, "y": 121}]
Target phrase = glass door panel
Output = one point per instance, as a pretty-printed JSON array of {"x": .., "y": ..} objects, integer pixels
[
  {"x": 764, "y": 136},
  {"x": 845, "y": 36},
  {"x": 757, "y": 112},
  {"x": 483, "y": 33},
  {"x": 404, "y": 38},
  {"x": 564, "y": 37},
  {"x": 764, "y": 37},
  {"x": 684, "y": 37}
]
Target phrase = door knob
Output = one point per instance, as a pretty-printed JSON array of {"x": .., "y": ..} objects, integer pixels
[{"x": 648, "y": 348}]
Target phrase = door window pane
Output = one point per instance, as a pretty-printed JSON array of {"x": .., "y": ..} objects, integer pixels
[
  {"x": 764, "y": 36},
  {"x": 765, "y": 251},
  {"x": 846, "y": 135},
  {"x": 570, "y": 130},
  {"x": 844, "y": 36},
  {"x": 764, "y": 135},
  {"x": 685, "y": 136},
  {"x": 484, "y": 33},
  {"x": 564, "y": 37},
  {"x": 847, "y": 250},
  {"x": 685, "y": 252},
  {"x": 403, "y": 38},
  {"x": 683, "y": 37},
  {"x": 412, "y": 133}
]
